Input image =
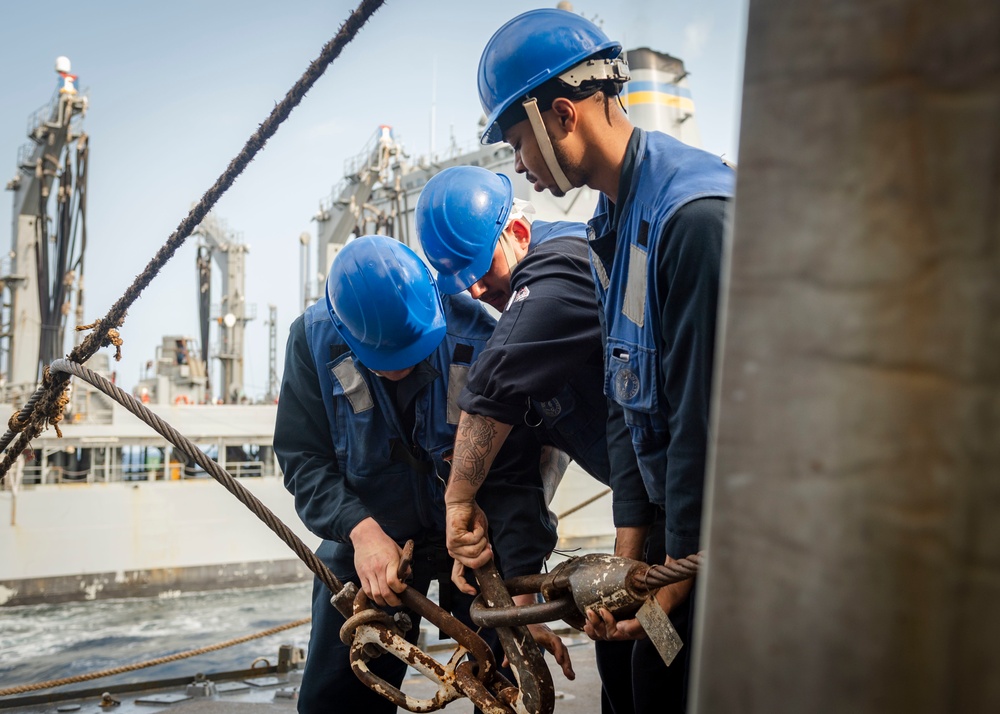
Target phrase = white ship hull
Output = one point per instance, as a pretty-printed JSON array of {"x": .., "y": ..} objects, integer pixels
[
  {"x": 125, "y": 539},
  {"x": 122, "y": 528},
  {"x": 107, "y": 537}
]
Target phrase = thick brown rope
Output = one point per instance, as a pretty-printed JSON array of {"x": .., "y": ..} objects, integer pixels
[
  {"x": 113, "y": 338},
  {"x": 46, "y": 396},
  {"x": 25, "y": 688}
]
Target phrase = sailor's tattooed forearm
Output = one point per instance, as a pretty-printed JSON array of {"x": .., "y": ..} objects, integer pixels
[{"x": 474, "y": 448}]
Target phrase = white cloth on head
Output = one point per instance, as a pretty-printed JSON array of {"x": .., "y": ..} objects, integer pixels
[{"x": 521, "y": 209}]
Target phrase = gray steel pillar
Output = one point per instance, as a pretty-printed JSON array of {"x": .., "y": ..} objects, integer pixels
[{"x": 854, "y": 498}]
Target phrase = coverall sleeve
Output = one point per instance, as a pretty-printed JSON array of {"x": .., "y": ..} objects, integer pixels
[
  {"x": 323, "y": 499},
  {"x": 630, "y": 504},
  {"x": 688, "y": 261}
]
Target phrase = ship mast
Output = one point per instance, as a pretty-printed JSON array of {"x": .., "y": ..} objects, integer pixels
[
  {"x": 45, "y": 262},
  {"x": 228, "y": 250}
]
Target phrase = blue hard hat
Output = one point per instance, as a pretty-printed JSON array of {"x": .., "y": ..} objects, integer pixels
[
  {"x": 528, "y": 51},
  {"x": 383, "y": 302},
  {"x": 460, "y": 215}
]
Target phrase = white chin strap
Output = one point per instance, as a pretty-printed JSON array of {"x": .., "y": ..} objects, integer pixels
[
  {"x": 545, "y": 144},
  {"x": 508, "y": 251}
]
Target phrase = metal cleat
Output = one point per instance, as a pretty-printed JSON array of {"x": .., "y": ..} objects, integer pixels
[
  {"x": 200, "y": 687},
  {"x": 290, "y": 658}
]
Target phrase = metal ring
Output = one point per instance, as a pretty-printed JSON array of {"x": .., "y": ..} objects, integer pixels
[{"x": 365, "y": 617}]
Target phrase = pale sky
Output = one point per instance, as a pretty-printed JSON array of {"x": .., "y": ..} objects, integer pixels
[{"x": 176, "y": 88}]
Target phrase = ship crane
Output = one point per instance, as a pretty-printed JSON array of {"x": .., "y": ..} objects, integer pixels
[
  {"x": 348, "y": 210},
  {"x": 225, "y": 247},
  {"x": 42, "y": 276}
]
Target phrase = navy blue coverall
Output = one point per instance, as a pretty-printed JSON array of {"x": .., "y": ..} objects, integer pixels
[
  {"x": 656, "y": 258},
  {"x": 353, "y": 445}
]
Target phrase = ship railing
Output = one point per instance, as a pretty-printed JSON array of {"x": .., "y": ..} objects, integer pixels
[
  {"x": 26, "y": 157},
  {"x": 42, "y": 115},
  {"x": 37, "y": 474},
  {"x": 375, "y": 155},
  {"x": 218, "y": 310},
  {"x": 368, "y": 157}
]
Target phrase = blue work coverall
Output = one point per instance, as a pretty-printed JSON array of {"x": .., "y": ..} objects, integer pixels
[
  {"x": 656, "y": 259},
  {"x": 352, "y": 446}
]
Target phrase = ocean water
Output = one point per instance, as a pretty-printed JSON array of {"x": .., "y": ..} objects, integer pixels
[{"x": 45, "y": 642}]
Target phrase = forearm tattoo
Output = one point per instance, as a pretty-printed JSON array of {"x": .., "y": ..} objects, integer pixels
[{"x": 474, "y": 448}]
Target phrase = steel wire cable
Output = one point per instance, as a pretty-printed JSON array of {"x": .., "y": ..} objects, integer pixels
[
  {"x": 46, "y": 396},
  {"x": 673, "y": 572},
  {"x": 186, "y": 447}
]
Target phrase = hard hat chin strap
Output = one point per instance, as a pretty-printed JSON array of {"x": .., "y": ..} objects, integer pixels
[
  {"x": 508, "y": 251},
  {"x": 545, "y": 144}
]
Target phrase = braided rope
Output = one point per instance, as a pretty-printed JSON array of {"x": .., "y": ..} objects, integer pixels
[
  {"x": 24, "y": 688},
  {"x": 45, "y": 398},
  {"x": 186, "y": 447}
]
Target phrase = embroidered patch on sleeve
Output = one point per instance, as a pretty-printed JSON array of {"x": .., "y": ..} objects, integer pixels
[{"x": 520, "y": 295}]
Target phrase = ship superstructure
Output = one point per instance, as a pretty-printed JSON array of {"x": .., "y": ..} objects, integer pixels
[
  {"x": 41, "y": 278},
  {"x": 110, "y": 509},
  {"x": 379, "y": 190}
]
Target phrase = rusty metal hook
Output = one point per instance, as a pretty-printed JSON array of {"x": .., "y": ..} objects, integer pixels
[
  {"x": 371, "y": 632},
  {"x": 536, "y": 693},
  {"x": 476, "y": 679}
]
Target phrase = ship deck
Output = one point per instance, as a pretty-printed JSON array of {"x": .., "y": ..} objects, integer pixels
[{"x": 272, "y": 692}]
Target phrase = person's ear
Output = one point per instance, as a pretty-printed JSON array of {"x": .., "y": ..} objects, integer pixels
[
  {"x": 522, "y": 233},
  {"x": 566, "y": 114}
]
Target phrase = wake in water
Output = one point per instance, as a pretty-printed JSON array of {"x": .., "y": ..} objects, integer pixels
[{"x": 44, "y": 642}]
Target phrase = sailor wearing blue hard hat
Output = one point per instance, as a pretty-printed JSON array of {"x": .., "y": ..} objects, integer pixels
[
  {"x": 548, "y": 82},
  {"x": 543, "y": 365},
  {"x": 364, "y": 435},
  {"x": 534, "y": 60},
  {"x": 480, "y": 239}
]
